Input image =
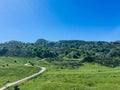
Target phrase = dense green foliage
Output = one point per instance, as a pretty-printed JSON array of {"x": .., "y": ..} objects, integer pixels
[{"x": 104, "y": 53}]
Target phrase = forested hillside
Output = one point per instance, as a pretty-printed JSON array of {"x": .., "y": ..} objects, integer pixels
[{"x": 104, "y": 53}]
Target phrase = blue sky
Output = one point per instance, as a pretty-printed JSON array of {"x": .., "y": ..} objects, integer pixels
[{"x": 28, "y": 20}]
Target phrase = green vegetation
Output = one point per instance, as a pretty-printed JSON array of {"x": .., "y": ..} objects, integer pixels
[
  {"x": 71, "y": 64},
  {"x": 87, "y": 77},
  {"x": 104, "y": 53},
  {"x": 12, "y": 69}
]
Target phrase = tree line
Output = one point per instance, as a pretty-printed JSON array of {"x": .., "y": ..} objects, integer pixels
[{"x": 104, "y": 53}]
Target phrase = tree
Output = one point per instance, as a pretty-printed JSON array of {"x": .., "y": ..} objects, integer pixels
[{"x": 88, "y": 59}]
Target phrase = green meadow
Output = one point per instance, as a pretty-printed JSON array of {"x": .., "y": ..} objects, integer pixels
[
  {"x": 12, "y": 69},
  {"x": 90, "y": 76}
]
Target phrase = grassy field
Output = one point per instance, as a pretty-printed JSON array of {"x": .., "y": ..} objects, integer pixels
[
  {"x": 12, "y": 69},
  {"x": 86, "y": 77}
]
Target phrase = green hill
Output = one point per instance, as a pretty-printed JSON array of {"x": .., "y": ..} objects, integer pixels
[{"x": 104, "y": 53}]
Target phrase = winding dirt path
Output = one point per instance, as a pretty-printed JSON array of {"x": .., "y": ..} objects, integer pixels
[{"x": 24, "y": 79}]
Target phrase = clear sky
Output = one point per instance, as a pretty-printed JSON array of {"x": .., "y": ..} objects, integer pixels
[{"x": 28, "y": 20}]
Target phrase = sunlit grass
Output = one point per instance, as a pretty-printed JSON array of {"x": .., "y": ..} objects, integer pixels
[
  {"x": 12, "y": 69},
  {"x": 87, "y": 77}
]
